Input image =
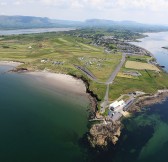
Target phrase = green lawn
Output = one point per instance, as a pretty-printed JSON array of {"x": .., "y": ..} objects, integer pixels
[
  {"x": 54, "y": 47},
  {"x": 69, "y": 50},
  {"x": 149, "y": 82}
]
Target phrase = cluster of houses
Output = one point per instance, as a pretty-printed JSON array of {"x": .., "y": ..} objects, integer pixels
[
  {"x": 98, "y": 62},
  {"x": 91, "y": 60},
  {"x": 53, "y": 62},
  {"x": 121, "y": 46}
]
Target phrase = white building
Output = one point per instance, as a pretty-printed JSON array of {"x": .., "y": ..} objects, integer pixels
[{"x": 117, "y": 104}]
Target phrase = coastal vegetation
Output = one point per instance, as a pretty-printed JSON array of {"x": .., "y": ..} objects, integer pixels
[
  {"x": 59, "y": 52},
  {"x": 111, "y": 68},
  {"x": 140, "y": 66}
]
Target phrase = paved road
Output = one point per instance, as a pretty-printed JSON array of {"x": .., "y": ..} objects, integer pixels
[
  {"x": 112, "y": 77},
  {"x": 114, "y": 74},
  {"x": 88, "y": 73},
  {"x": 105, "y": 103}
]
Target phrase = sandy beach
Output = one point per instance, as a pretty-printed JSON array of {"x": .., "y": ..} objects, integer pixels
[
  {"x": 66, "y": 83},
  {"x": 10, "y": 63}
]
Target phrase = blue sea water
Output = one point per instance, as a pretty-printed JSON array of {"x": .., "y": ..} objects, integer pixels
[
  {"x": 38, "y": 125},
  {"x": 31, "y": 31},
  {"x": 145, "y": 135}
]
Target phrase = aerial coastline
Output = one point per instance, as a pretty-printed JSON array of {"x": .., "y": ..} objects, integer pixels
[
  {"x": 62, "y": 81},
  {"x": 121, "y": 60},
  {"x": 84, "y": 81},
  {"x": 10, "y": 63},
  {"x": 80, "y": 86}
]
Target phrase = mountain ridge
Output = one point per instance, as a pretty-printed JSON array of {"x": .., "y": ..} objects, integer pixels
[{"x": 27, "y": 22}]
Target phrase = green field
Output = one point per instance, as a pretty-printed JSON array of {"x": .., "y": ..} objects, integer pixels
[
  {"x": 140, "y": 66},
  {"x": 60, "y": 47},
  {"x": 149, "y": 81},
  {"x": 58, "y": 52}
]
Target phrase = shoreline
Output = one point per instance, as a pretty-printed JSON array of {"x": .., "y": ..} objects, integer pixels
[
  {"x": 103, "y": 134},
  {"x": 96, "y": 138},
  {"x": 63, "y": 82},
  {"x": 11, "y": 63},
  {"x": 159, "y": 97}
]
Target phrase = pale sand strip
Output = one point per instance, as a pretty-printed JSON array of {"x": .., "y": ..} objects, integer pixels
[
  {"x": 10, "y": 63},
  {"x": 61, "y": 81}
]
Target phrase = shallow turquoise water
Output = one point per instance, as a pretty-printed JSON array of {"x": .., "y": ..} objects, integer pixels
[
  {"x": 144, "y": 138},
  {"x": 145, "y": 135},
  {"x": 37, "y": 124}
]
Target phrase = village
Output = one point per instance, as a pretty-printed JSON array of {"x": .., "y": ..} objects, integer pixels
[
  {"x": 112, "y": 44},
  {"x": 113, "y": 111}
]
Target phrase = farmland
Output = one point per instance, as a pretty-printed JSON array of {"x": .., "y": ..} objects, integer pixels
[
  {"x": 140, "y": 66},
  {"x": 59, "y": 52},
  {"x": 150, "y": 80}
]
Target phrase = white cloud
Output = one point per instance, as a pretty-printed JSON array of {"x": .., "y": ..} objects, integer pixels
[
  {"x": 143, "y": 4},
  {"x": 109, "y": 4},
  {"x": 103, "y": 4},
  {"x": 76, "y": 4},
  {"x": 3, "y": 3},
  {"x": 55, "y": 2},
  {"x": 17, "y": 3},
  {"x": 139, "y": 10}
]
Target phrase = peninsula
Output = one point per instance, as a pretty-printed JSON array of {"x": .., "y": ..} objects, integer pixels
[{"x": 118, "y": 75}]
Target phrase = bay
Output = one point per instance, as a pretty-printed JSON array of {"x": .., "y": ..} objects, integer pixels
[
  {"x": 33, "y": 31},
  {"x": 37, "y": 123},
  {"x": 154, "y": 43}
]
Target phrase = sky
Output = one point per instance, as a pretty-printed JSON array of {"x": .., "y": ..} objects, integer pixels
[{"x": 144, "y": 11}]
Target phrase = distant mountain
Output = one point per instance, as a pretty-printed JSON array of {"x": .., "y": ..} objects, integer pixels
[
  {"x": 15, "y": 22},
  {"x": 9, "y": 22},
  {"x": 126, "y": 25},
  {"x": 66, "y": 22},
  {"x": 22, "y": 22},
  {"x": 102, "y": 22}
]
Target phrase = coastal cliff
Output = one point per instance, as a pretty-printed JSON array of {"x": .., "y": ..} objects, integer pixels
[
  {"x": 149, "y": 100},
  {"x": 102, "y": 134}
]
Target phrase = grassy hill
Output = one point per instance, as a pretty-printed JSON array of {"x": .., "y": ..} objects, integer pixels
[{"x": 58, "y": 52}]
